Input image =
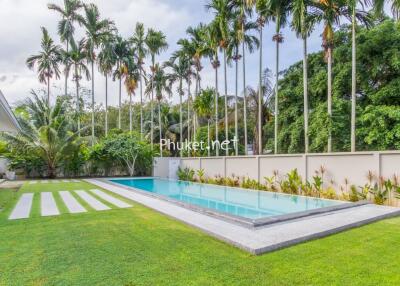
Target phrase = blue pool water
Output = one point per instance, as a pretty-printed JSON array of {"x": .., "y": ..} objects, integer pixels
[{"x": 234, "y": 201}]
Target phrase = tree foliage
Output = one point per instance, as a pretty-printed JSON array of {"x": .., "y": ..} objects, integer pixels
[{"x": 378, "y": 94}]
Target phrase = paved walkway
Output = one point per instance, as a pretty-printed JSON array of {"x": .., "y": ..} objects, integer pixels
[
  {"x": 92, "y": 201},
  {"x": 71, "y": 203},
  {"x": 48, "y": 205},
  {"x": 112, "y": 200},
  {"x": 53, "y": 181},
  {"x": 23, "y": 207},
  {"x": 269, "y": 238}
]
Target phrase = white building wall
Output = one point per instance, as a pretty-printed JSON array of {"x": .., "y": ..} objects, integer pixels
[{"x": 339, "y": 166}]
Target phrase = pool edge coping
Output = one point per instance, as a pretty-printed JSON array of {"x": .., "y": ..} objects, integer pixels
[{"x": 241, "y": 221}]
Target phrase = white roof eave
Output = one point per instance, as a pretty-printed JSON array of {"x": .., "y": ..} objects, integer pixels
[{"x": 8, "y": 122}]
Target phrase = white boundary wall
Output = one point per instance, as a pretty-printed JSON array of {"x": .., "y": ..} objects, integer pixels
[
  {"x": 3, "y": 165},
  {"x": 339, "y": 166}
]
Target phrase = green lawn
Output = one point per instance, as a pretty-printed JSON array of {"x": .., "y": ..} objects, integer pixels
[{"x": 138, "y": 246}]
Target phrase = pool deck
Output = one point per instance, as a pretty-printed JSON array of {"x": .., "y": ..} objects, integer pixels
[{"x": 262, "y": 239}]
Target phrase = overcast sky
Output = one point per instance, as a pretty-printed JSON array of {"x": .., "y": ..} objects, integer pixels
[{"x": 20, "y": 36}]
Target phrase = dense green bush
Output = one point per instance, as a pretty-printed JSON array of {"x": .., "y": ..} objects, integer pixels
[{"x": 124, "y": 149}]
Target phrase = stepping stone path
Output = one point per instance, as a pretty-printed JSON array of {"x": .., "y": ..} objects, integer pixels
[
  {"x": 48, "y": 204},
  {"x": 23, "y": 207},
  {"x": 92, "y": 201},
  {"x": 112, "y": 200},
  {"x": 54, "y": 181},
  {"x": 71, "y": 203}
]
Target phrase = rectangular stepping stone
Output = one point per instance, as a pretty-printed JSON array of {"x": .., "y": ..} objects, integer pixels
[
  {"x": 71, "y": 203},
  {"x": 32, "y": 182},
  {"x": 23, "y": 207},
  {"x": 55, "y": 181},
  {"x": 112, "y": 200},
  {"x": 48, "y": 205},
  {"x": 75, "y": 181},
  {"x": 44, "y": 182},
  {"x": 92, "y": 201},
  {"x": 66, "y": 181}
]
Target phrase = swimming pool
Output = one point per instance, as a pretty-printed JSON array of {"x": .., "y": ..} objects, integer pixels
[{"x": 235, "y": 202}]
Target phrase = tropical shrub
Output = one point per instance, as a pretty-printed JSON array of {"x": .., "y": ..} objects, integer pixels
[
  {"x": 380, "y": 195},
  {"x": 45, "y": 135},
  {"x": 127, "y": 150},
  {"x": 293, "y": 183},
  {"x": 186, "y": 174},
  {"x": 200, "y": 175}
]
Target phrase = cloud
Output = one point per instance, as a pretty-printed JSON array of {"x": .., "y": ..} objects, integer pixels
[
  {"x": 20, "y": 34},
  {"x": 20, "y": 37}
]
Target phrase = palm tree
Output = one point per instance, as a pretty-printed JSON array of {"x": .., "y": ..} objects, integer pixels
[
  {"x": 96, "y": 29},
  {"x": 303, "y": 24},
  {"x": 187, "y": 52},
  {"x": 196, "y": 47},
  {"x": 159, "y": 82},
  {"x": 236, "y": 38},
  {"x": 245, "y": 11},
  {"x": 121, "y": 51},
  {"x": 131, "y": 73},
  {"x": 45, "y": 131},
  {"x": 156, "y": 43},
  {"x": 260, "y": 104},
  {"x": 47, "y": 61},
  {"x": 279, "y": 14},
  {"x": 106, "y": 63},
  {"x": 179, "y": 70},
  {"x": 203, "y": 105},
  {"x": 264, "y": 14},
  {"x": 75, "y": 59},
  {"x": 138, "y": 40},
  {"x": 330, "y": 11},
  {"x": 379, "y": 6},
  {"x": 210, "y": 49},
  {"x": 66, "y": 27},
  {"x": 223, "y": 17},
  {"x": 352, "y": 6}
]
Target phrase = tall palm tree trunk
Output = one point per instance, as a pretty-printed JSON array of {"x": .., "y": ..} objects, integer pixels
[
  {"x": 188, "y": 115},
  {"x": 106, "y": 113},
  {"x": 66, "y": 74},
  {"x": 77, "y": 101},
  {"x": 151, "y": 103},
  {"x": 180, "y": 116},
  {"x": 216, "y": 102},
  {"x": 330, "y": 98},
  {"x": 276, "y": 98},
  {"x": 208, "y": 138},
  {"x": 119, "y": 98},
  {"x": 353, "y": 85},
  {"x": 141, "y": 103},
  {"x": 244, "y": 99},
  {"x": 48, "y": 90},
  {"x": 160, "y": 126},
  {"x": 130, "y": 112},
  {"x": 194, "y": 112},
  {"x": 226, "y": 102},
  {"x": 260, "y": 148},
  {"x": 92, "y": 103},
  {"x": 305, "y": 90},
  {"x": 236, "y": 101}
]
